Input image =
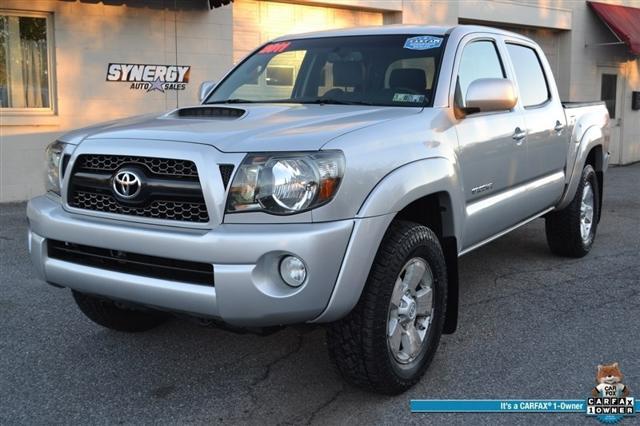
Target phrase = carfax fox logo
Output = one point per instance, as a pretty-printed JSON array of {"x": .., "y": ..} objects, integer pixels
[
  {"x": 150, "y": 77},
  {"x": 610, "y": 400}
]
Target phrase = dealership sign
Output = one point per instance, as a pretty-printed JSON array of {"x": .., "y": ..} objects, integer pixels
[{"x": 150, "y": 77}]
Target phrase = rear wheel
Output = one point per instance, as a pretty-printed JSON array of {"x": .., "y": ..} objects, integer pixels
[
  {"x": 387, "y": 342},
  {"x": 108, "y": 314},
  {"x": 572, "y": 230}
]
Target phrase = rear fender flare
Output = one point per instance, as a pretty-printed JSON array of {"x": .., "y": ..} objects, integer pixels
[{"x": 591, "y": 138}]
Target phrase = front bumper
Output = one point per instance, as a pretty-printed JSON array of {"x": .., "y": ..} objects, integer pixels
[{"x": 248, "y": 290}]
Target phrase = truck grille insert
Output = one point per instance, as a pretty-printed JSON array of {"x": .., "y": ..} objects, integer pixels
[
  {"x": 226, "y": 170},
  {"x": 169, "y": 210},
  {"x": 131, "y": 263},
  {"x": 158, "y": 166},
  {"x": 168, "y": 189}
]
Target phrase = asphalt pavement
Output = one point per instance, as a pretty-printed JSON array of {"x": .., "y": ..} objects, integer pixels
[{"x": 532, "y": 326}]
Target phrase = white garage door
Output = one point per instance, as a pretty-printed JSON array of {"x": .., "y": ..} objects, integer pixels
[{"x": 255, "y": 22}]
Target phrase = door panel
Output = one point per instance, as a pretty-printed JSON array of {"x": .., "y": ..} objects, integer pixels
[
  {"x": 547, "y": 144},
  {"x": 547, "y": 141},
  {"x": 491, "y": 162},
  {"x": 491, "y": 159}
]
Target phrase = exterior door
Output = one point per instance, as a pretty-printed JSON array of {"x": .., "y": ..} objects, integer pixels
[
  {"x": 491, "y": 159},
  {"x": 611, "y": 93},
  {"x": 547, "y": 138}
]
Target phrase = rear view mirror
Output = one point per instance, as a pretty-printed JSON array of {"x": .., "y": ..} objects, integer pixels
[
  {"x": 205, "y": 88},
  {"x": 490, "y": 94}
]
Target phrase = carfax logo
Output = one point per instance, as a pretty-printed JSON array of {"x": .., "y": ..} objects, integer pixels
[
  {"x": 610, "y": 400},
  {"x": 150, "y": 77}
]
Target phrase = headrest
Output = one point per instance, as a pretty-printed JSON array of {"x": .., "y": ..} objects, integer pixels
[
  {"x": 411, "y": 78},
  {"x": 347, "y": 74}
]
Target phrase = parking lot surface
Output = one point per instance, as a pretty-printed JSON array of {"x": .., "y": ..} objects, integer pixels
[{"x": 531, "y": 326}]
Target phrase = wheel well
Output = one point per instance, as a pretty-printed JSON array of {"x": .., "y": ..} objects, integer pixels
[
  {"x": 595, "y": 158},
  {"x": 435, "y": 212}
]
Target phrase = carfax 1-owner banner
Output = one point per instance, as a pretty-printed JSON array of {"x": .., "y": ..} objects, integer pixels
[
  {"x": 609, "y": 402},
  {"x": 607, "y": 410}
]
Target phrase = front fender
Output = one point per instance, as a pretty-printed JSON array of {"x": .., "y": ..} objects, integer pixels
[
  {"x": 395, "y": 191},
  {"x": 416, "y": 180}
]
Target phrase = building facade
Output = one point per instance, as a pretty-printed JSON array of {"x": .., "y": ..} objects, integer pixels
[{"x": 65, "y": 64}]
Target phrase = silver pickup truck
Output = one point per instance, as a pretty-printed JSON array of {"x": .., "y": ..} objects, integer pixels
[{"x": 332, "y": 177}]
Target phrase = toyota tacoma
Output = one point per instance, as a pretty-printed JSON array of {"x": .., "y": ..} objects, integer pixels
[{"x": 330, "y": 178}]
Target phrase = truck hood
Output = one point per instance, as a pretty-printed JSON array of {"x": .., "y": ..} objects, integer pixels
[{"x": 247, "y": 127}]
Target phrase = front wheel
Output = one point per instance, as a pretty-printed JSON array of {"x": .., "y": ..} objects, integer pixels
[
  {"x": 572, "y": 230},
  {"x": 389, "y": 339}
]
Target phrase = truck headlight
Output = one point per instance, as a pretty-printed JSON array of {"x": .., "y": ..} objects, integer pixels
[
  {"x": 282, "y": 183},
  {"x": 53, "y": 166}
]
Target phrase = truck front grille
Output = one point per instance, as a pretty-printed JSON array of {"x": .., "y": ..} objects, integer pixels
[
  {"x": 170, "y": 188},
  {"x": 158, "y": 166},
  {"x": 132, "y": 263}
]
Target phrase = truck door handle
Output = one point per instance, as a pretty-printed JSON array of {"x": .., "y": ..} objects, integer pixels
[
  {"x": 559, "y": 126},
  {"x": 519, "y": 134}
]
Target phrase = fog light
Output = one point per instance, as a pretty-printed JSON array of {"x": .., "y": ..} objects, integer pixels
[{"x": 293, "y": 271}]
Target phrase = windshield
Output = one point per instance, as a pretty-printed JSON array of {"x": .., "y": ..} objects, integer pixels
[{"x": 390, "y": 70}]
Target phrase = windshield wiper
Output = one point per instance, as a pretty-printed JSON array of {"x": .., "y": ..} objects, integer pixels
[
  {"x": 329, "y": 101},
  {"x": 318, "y": 101},
  {"x": 231, "y": 101}
]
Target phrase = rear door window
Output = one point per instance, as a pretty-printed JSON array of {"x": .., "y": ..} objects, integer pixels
[{"x": 532, "y": 83}]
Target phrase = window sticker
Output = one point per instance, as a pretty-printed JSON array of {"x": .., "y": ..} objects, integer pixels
[
  {"x": 275, "y": 47},
  {"x": 422, "y": 42},
  {"x": 408, "y": 97}
]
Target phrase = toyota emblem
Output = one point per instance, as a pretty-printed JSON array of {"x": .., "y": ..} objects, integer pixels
[{"x": 127, "y": 184}]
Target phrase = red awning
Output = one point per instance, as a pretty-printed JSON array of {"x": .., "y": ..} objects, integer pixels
[{"x": 623, "y": 21}]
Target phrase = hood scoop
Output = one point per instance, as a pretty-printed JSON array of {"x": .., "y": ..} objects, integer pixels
[{"x": 209, "y": 112}]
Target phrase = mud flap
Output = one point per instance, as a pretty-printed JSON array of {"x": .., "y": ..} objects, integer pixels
[{"x": 450, "y": 247}]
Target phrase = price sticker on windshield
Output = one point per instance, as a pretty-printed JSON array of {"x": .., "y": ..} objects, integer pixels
[{"x": 422, "y": 42}]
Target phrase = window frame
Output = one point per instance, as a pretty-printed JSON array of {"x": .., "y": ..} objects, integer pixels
[
  {"x": 499, "y": 46},
  {"x": 515, "y": 74},
  {"x": 52, "y": 108}
]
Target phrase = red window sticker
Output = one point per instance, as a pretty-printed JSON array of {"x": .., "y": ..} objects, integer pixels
[{"x": 275, "y": 47}]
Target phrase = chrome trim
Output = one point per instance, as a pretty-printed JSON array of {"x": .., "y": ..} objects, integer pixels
[{"x": 500, "y": 198}]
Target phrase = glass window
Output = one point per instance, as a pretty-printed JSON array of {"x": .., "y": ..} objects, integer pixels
[
  {"x": 479, "y": 59},
  {"x": 280, "y": 76},
  {"x": 531, "y": 80},
  {"x": 394, "y": 70},
  {"x": 608, "y": 90},
  {"x": 273, "y": 79},
  {"x": 24, "y": 62}
]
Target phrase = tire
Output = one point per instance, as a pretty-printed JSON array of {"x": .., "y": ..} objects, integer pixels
[
  {"x": 107, "y": 314},
  {"x": 358, "y": 343},
  {"x": 565, "y": 229}
]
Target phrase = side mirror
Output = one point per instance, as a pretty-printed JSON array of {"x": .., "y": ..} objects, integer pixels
[
  {"x": 205, "y": 88},
  {"x": 490, "y": 94}
]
